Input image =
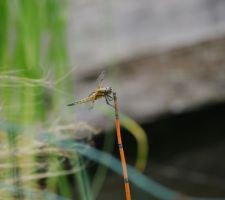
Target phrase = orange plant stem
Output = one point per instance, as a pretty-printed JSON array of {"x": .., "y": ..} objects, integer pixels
[{"x": 120, "y": 146}]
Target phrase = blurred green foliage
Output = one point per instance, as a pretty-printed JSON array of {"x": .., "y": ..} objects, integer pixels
[
  {"x": 32, "y": 58},
  {"x": 33, "y": 65}
]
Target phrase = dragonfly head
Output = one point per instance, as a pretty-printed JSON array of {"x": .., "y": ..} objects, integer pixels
[{"x": 108, "y": 90}]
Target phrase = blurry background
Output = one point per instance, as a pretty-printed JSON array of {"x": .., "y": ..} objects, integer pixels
[
  {"x": 169, "y": 55},
  {"x": 165, "y": 60},
  {"x": 168, "y": 58}
]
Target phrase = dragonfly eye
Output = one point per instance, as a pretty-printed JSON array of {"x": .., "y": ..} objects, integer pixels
[{"x": 109, "y": 89}]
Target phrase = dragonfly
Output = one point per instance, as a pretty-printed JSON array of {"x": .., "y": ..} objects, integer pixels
[{"x": 99, "y": 92}]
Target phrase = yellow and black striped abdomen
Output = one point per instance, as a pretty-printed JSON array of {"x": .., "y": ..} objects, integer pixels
[{"x": 99, "y": 94}]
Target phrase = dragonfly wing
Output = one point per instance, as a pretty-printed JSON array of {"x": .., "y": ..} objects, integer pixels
[
  {"x": 100, "y": 79},
  {"x": 91, "y": 105}
]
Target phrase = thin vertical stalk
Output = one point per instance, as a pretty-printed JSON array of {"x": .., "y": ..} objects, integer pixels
[
  {"x": 83, "y": 182},
  {"x": 101, "y": 172},
  {"x": 120, "y": 146}
]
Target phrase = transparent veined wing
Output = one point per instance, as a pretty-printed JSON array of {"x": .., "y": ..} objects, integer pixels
[{"x": 100, "y": 79}]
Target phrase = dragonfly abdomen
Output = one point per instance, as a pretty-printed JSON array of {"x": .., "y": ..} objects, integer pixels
[
  {"x": 84, "y": 100},
  {"x": 92, "y": 97}
]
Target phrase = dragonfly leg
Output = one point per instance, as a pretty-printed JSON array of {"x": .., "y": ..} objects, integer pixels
[
  {"x": 110, "y": 98},
  {"x": 107, "y": 101}
]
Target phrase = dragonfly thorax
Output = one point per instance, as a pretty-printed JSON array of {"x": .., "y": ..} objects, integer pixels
[{"x": 108, "y": 90}]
